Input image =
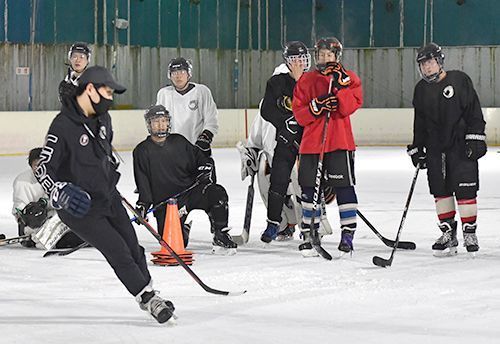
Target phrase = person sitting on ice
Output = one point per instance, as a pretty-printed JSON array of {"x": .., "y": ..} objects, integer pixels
[{"x": 35, "y": 218}]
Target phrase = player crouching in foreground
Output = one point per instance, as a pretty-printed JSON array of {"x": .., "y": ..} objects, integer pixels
[
  {"x": 34, "y": 215},
  {"x": 165, "y": 164},
  {"x": 448, "y": 139}
]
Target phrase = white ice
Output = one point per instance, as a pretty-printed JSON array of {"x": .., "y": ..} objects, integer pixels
[{"x": 419, "y": 299}]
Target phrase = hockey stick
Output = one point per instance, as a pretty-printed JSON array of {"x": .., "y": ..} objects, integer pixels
[
  {"x": 388, "y": 262},
  {"x": 177, "y": 258},
  {"x": 315, "y": 239},
  {"x": 65, "y": 251},
  {"x": 243, "y": 238},
  {"x": 162, "y": 203},
  {"x": 405, "y": 245},
  {"x": 13, "y": 240}
]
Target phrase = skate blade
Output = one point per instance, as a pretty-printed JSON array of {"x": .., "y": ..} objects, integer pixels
[
  {"x": 223, "y": 251},
  {"x": 283, "y": 238},
  {"x": 309, "y": 253},
  {"x": 449, "y": 252}
]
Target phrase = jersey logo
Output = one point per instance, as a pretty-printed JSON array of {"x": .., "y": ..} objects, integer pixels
[
  {"x": 193, "y": 105},
  {"x": 84, "y": 140},
  {"x": 448, "y": 92}
]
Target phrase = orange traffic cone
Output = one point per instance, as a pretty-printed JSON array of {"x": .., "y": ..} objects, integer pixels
[{"x": 172, "y": 235}]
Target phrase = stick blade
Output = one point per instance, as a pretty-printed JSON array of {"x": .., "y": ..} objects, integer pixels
[
  {"x": 383, "y": 263},
  {"x": 407, "y": 245},
  {"x": 242, "y": 239}
]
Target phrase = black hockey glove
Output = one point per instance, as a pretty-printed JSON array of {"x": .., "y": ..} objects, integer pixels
[
  {"x": 34, "y": 214},
  {"x": 204, "y": 140},
  {"x": 285, "y": 104},
  {"x": 291, "y": 133},
  {"x": 71, "y": 198},
  {"x": 475, "y": 146},
  {"x": 205, "y": 174},
  {"x": 142, "y": 209},
  {"x": 417, "y": 156},
  {"x": 66, "y": 91},
  {"x": 323, "y": 104}
]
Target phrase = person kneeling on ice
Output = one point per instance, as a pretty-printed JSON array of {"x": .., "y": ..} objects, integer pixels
[
  {"x": 165, "y": 164},
  {"x": 33, "y": 214},
  {"x": 78, "y": 168}
]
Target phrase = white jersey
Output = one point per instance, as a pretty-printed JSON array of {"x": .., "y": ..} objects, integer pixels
[
  {"x": 192, "y": 112},
  {"x": 26, "y": 190}
]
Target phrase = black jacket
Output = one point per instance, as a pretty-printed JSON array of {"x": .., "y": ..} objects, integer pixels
[
  {"x": 78, "y": 150},
  {"x": 162, "y": 171}
]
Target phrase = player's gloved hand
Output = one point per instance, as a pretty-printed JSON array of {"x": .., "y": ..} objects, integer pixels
[
  {"x": 71, "y": 198},
  {"x": 205, "y": 174},
  {"x": 248, "y": 156},
  {"x": 475, "y": 146},
  {"x": 142, "y": 209},
  {"x": 291, "y": 133},
  {"x": 34, "y": 214},
  {"x": 340, "y": 77},
  {"x": 323, "y": 104},
  {"x": 285, "y": 104},
  {"x": 418, "y": 156},
  {"x": 204, "y": 140},
  {"x": 66, "y": 91}
]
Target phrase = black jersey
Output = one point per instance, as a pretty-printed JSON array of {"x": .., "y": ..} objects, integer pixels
[
  {"x": 445, "y": 112},
  {"x": 278, "y": 86},
  {"x": 161, "y": 171}
]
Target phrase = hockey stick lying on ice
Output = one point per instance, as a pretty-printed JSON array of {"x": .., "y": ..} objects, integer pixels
[
  {"x": 405, "y": 245},
  {"x": 162, "y": 203},
  {"x": 243, "y": 238},
  {"x": 65, "y": 251},
  {"x": 388, "y": 262},
  {"x": 13, "y": 240},
  {"x": 172, "y": 252}
]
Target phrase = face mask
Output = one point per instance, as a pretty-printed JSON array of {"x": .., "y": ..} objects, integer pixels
[{"x": 103, "y": 106}]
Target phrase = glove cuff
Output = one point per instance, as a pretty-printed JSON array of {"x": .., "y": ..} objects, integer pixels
[{"x": 477, "y": 137}]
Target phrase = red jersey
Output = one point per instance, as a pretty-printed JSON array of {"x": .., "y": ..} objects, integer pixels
[{"x": 339, "y": 133}]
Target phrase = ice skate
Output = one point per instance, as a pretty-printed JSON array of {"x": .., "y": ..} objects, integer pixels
[
  {"x": 470, "y": 239},
  {"x": 446, "y": 244},
  {"x": 286, "y": 234},
  {"x": 345, "y": 245},
  {"x": 270, "y": 233},
  {"x": 162, "y": 310},
  {"x": 306, "y": 248},
  {"x": 223, "y": 243}
]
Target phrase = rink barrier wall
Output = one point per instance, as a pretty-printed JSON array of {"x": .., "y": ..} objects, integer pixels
[{"x": 372, "y": 127}]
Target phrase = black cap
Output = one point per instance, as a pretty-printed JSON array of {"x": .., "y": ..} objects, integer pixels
[{"x": 102, "y": 76}]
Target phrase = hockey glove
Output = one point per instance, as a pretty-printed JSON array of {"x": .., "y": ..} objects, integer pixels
[
  {"x": 35, "y": 213},
  {"x": 475, "y": 146},
  {"x": 285, "y": 104},
  {"x": 249, "y": 158},
  {"x": 204, "y": 140},
  {"x": 417, "y": 156},
  {"x": 323, "y": 104},
  {"x": 291, "y": 133},
  {"x": 205, "y": 174},
  {"x": 142, "y": 209},
  {"x": 71, "y": 198}
]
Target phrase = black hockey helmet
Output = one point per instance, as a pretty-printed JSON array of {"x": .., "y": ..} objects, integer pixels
[
  {"x": 156, "y": 111},
  {"x": 330, "y": 43},
  {"x": 296, "y": 50},
  {"x": 427, "y": 52},
  {"x": 180, "y": 63},
  {"x": 80, "y": 47}
]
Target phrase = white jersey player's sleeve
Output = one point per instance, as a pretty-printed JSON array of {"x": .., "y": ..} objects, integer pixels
[
  {"x": 26, "y": 190},
  {"x": 208, "y": 110}
]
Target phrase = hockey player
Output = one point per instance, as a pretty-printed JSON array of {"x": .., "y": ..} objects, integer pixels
[
  {"x": 193, "y": 110},
  {"x": 166, "y": 164},
  {"x": 329, "y": 89},
  {"x": 33, "y": 214},
  {"x": 276, "y": 108},
  {"x": 79, "y": 171},
  {"x": 448, "y": 139},
  {"x": 79, "y": 58}
]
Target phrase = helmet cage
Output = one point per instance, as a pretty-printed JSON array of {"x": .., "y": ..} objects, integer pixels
[
  {"x": 156, "y": 112},
  {"x": 430, "y": 51}
]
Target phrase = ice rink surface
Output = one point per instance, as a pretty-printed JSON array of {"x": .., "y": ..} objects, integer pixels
[{"x": 290, "y": 299}]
